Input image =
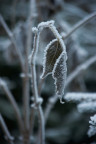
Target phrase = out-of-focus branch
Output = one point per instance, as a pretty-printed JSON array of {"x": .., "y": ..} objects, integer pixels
[
  {"x": 14, "y": 104},
  {"x": 80, "y": 68},
  {"x": 13, "y": 17},
  {"x": 79, "y": 24},
  {"x": 11, "y": 37},
  {"x": 32, "y": 112},
  {"x": 8, "y": 136}
]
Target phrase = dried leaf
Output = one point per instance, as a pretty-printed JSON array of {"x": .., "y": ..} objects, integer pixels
[
  {"x": 52, "y": 52},
  {"x": 59, "y": 74}
]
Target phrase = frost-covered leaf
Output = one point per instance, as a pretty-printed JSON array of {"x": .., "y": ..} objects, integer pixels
[
  {"x": 52, "y": 52},
  {"x": 59, "y": 74}
]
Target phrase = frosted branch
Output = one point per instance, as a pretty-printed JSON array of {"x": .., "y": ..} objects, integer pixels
[
  {"x": 79, "y": 24},
  {"x": 35, "y": 89},
  {"x": 58, "y": 36},
  {"x": 8, "y": 136},
  {"x": 43, "y": 25},
  {"x": 78, "y": 97},
  {"x": 30, "y": 22},
  {"x": 13, "y": 102},
  {"x": 80, "y": 68}
]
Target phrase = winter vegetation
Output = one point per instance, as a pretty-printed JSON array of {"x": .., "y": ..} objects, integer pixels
[{"x": 47, "y": 72}]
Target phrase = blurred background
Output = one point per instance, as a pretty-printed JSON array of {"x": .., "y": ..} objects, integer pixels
[{"x": 65, "y": 124}]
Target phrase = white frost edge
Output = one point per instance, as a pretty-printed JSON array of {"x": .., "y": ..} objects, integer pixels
[
  {"x": 44, "y": 59},
  {"x": 63, "y": 53},
  {"x": 45, "y": 24},
  {"x": 58, "y": 36},
  {"x": 92, "y": 127},
  {"x": 77, "y": 97}
]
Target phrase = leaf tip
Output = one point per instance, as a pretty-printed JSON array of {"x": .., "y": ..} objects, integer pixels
[{"x": 61, "y": 101}]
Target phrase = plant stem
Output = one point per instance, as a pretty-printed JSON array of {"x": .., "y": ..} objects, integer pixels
[
  {"x": 8, "y": 137},
  {"x": 14, "y": 104},
  {"x": 79, "y": 24},
  {"x": 27, "y": 51},
  {"x": 37, "y": 102}
]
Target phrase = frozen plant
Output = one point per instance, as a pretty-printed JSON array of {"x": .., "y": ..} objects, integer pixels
[{"x": 55, "y": 58}]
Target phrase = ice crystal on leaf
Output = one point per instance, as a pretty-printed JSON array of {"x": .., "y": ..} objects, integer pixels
[
  {"x": 59, "y": 74},
  {"x": 52, "y": 52}
]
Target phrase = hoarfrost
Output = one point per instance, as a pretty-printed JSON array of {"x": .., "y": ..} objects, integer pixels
[
  {"x": 59, "y": 74},
  {"x": 92, "y": 128},
  {"x": 52, "y": 52},
  {"x": 77, "y": 97}
]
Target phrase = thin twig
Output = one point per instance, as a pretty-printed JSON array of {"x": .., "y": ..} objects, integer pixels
[
  {"x": 8, "y": 136},
  {"x": 14, "y": 104},
  {"x": 11, "y": 37},
  {"x": 37, "y": 102},
  {"x": 80, "y": 68},
  {"x": 79, "y": 24}
]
